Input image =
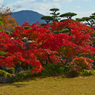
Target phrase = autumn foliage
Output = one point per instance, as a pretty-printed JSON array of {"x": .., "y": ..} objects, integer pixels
[
  {"x": 9, "y": 23},
  {"x": 47, "y": 47}
]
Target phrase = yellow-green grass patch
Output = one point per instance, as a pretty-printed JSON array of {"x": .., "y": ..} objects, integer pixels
[{"x": 51, "y": 86}]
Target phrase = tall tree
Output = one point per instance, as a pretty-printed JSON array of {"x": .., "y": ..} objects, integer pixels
[
  {"x": 89, "y": 20},
  {"x": 54, "y": 14}
]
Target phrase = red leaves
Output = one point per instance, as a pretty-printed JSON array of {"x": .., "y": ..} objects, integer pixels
[
  {"x": 45, "y": 46},
  {"x": 83, "y": 62},
  {"x": 36, "y": 70},
  {"x": 58, "y": 26}
]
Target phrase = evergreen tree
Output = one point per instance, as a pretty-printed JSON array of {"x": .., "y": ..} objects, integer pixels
[
  {"x": 54, "y": 14},
  {"x": 47, "y": 18},
  {"x": 68, "y": 15}
]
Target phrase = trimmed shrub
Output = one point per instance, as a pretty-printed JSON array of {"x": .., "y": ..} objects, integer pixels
[
  {"x": 3, "y": 73},
  {"x": 54, "y": 70},
  {"x": 22, "y": 76},
  {"x": 87, "y": 72}
]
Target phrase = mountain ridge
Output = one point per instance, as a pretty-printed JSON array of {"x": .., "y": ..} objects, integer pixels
[{"x": 28, "y": 16}]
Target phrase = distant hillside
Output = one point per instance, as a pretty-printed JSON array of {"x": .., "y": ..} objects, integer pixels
[{"x": 27, "y": 16}]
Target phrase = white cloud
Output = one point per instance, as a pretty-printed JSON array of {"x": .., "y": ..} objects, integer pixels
[
  {"x": 63, "y": 1},
  {"x": 57, "y": 5},
  {"x": 87, "y": 0},
  {"x": 1, "y": 1},
  {"x": 84, "y": 14},
  {"x": 69, "y": 0},
  {"x": 24, "y": 1},
  {"x": 44, "y": 8},
  {"x": 41, "y": 7},
  {"x": 82, "y": 0},
  {"x": 78, "y": 6},
  {"x": 55, "y": 0}
]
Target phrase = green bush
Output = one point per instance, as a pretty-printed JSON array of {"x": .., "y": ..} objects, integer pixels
[
  {"x": 54, "y": 70},
  {"x": 50, "y": 70},
  {"x": 3, "y": 73},
  {"x": 87, "y": 72},
  {"x": 22, "y": 75},
  {"x": 11, "y": 70}
]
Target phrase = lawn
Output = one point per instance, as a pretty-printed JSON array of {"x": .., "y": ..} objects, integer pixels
[{"x": 51, "y": 86}]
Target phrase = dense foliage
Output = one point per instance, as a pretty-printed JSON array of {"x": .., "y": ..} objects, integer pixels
[
  {"x": 47, "y": 47},
  {"x": 9, "y": 23}
]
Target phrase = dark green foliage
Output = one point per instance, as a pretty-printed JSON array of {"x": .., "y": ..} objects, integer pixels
[
  {"x": 54, "y": 9},
  {"x": 79, "y": 19},
  {"x": 50, "y": 70},
  {"x": 27, "y": 27},
  {"x": 47, "y": 18},
  {"x": 22, "y": 76},
  {"x": 68, "y": 15},
  {"x": 3, "y": 53},
  {"x": 54, "y": 14},
  {"x": 43, "y": 25},
  {"x": 86, "y": 18},
  {"x": 87, "y": 72},
  {"x": 54, "y": 70}
]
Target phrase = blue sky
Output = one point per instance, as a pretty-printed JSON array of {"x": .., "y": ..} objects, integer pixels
[{"x": 81, "y": 7}]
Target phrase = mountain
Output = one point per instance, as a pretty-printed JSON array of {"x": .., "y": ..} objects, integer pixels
[{"x": 27, "y": 16}]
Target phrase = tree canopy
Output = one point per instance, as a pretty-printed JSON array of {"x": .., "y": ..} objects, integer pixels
[
  {"x": 47, "y": 18},
  {"x": 68, "y": 15}
]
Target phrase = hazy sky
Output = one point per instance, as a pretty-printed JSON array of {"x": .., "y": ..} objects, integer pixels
[{"x": 81, "y": 7}]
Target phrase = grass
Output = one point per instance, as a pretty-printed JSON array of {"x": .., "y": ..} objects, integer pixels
[{"x": 51, "y": 86}]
